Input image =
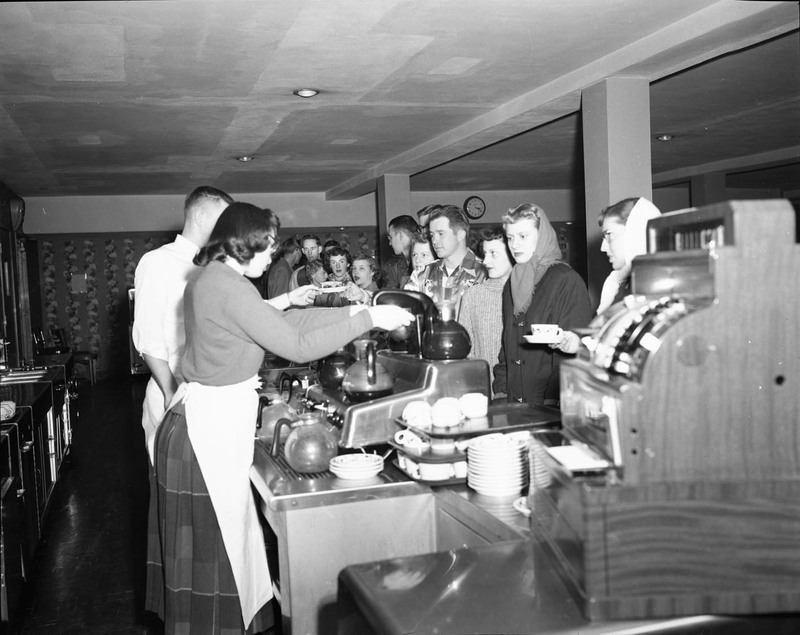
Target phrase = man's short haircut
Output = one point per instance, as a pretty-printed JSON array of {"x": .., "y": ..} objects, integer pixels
[
  {"x": 404, "y": 223},
  {"x": 288, "y": 246},
  {"x": 428, "y": 209},
  {"x": 455, "y": 216},
  {"x": 520, "y": 212},
  {"x": 311, "y": 237},
  {"x": 203, "y": 194}
]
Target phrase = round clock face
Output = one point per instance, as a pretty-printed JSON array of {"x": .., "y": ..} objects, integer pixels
[{"x": 474, "y": 207}]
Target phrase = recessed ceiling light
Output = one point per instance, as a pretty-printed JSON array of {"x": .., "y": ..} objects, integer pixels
[
  {"x": 305, "y": 93},
  {"x": 244, "y": 159},
  {"x": 664, "y": 136}
]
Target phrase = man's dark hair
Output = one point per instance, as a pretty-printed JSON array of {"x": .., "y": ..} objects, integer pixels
[
  {"x": 311, "y": 237},
  {"x": 205, "y": 192},
  {"x": 455, "y": 216},
  {"x": 404, "y": 223},
  {"x": 287, "y": 247}
]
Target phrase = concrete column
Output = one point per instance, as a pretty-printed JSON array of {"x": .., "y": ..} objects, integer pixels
[
  {"x": 616, "y": 157},
  {"x": 393, "y": 198},
  {"x": 707, "y": 189}
]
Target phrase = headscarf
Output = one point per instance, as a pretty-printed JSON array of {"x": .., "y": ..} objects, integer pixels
[
  {"x": 635, "y": 244},
  {"x": 525, "y": 276}
]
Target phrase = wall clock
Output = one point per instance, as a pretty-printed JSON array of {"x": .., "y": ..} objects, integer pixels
[{"x": 474, "y": 207}]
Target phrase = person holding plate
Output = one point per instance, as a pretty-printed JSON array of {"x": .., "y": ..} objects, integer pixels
[{"x": 542, "y": 289}]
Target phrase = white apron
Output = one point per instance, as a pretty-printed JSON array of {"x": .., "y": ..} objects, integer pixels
[{"x": 221, "y": 424}]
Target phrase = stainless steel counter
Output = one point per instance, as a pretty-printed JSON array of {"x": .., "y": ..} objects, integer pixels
[
  {"x": 324, "y": 524},
  {"x": 505, "y": 587}
]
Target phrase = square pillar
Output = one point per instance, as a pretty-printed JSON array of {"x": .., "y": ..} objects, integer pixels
[
  {"x": 616, "y": 156},
  {"x": 393, "y": 198}
]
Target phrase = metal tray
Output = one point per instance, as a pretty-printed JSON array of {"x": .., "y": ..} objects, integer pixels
[{"x": 500, "y": 418}]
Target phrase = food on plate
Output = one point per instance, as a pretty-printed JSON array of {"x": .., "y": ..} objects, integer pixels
[
  {"x": 333, "y": 284},
  {"x": 446, "y": 412},
  {"x": 418, "y": 414}
]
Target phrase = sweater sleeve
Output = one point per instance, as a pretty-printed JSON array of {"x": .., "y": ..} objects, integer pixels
[
  {"x": 301, "y": 339},
  {"x": 465, "y": 318}
]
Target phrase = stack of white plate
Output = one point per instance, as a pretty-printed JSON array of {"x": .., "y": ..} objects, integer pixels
[
  {"x": 356, "y": 466},
  {"x": 497, "y": 464}
]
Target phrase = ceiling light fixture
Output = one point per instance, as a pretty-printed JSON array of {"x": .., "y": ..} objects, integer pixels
[
  {"x": 244, "y": 159},
  {"x": 665, "y": 136},
  {"x": 305, "y": 93}
]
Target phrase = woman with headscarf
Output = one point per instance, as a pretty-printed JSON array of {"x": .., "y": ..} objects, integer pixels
[
  {"x": 624, "y": 227},
  {"x": 542, "y": 289}
]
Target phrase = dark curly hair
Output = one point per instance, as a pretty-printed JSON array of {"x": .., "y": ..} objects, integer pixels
[{"x": 242, "y": 231}]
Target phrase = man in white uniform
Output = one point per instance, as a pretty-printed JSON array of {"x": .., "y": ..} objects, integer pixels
[{"x": 160, "y": 279}]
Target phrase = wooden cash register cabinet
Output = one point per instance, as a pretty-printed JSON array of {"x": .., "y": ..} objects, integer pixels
[{"x": 691, "y": 396}]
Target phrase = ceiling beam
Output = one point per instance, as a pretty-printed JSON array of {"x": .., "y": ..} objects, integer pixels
[
  {"x": 721, "y": 28},
  {"x": 750, "y": 162}
]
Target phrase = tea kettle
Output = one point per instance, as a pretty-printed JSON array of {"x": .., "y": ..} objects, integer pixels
[
  {"x": 331, "y": 369},
  {"x": 311, "y": 443},
  {"x": 367, "y": 378},
  {"x": 444, "y": 338}
]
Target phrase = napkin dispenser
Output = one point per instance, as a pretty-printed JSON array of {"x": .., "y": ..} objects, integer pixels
[{"x": 689, "y": 391}]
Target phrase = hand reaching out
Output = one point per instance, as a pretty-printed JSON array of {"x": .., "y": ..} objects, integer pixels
[{"x": 389, "y": 317}]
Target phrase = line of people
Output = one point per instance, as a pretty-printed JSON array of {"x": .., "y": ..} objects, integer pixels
[{"x": 202, "y": 329}]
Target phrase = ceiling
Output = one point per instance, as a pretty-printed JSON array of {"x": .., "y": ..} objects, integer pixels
[{"x": 121, "y": 98}]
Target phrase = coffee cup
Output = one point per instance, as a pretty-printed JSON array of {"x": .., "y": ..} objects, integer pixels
[
  {"x": 442, "y": 446},
  {"x": 474, "y": 405},
  {"x": 435, "y": 471},
  {"x": 546, "y": 333}
]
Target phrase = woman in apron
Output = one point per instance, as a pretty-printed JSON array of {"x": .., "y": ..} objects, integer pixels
[{"x": 214, "y": 566}]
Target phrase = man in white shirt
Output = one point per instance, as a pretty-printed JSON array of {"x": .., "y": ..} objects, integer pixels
[{"x": 160, "y": 279}]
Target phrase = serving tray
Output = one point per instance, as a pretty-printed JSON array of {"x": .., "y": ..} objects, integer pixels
[{"x": 508, "y": 417}]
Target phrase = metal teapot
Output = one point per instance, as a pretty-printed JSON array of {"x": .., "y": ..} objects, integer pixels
[
  {"x": 311, "y": 444},
  {"x": 367, "y": 378},
  {"x": 445, "y": 338},
  {"x": 331, "y": 369}
]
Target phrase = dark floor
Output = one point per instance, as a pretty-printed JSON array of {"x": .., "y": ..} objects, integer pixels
[{"x": 89, "y": 570}]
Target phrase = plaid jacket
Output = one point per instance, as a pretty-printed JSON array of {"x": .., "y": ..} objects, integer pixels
[{"x": 470, "y": 272}]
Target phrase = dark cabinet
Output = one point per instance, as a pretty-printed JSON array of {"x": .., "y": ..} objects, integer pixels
[
  {"x": 11, "y": 523},
  {"x": 28, "y": 490}
]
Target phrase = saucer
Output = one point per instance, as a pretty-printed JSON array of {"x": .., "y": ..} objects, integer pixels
[{"x": 541, "y": 339}]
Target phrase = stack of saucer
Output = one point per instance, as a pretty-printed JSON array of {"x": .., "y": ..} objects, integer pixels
[
  {"x": 497, "y": 464},
  {"x": 356, "y": 466}
]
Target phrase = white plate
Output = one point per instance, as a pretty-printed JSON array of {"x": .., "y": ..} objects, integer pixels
[
  {"x": 355, "y": 461},
  {"x": 334, "y": 289},
  {"x": 541, "y": 339},
  {"x": 491, "y": 491},
  {"x": 356, "y": 476}
]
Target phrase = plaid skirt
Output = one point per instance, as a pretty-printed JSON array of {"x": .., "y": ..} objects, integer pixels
[{"x": 190, "y": 582}]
